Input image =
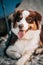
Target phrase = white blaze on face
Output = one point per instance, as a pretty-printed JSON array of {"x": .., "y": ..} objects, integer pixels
[
  {"x": 25, "y": 13},
  {"x": 23, "y": 21}
]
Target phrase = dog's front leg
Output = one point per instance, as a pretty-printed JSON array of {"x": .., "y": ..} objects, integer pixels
[{"x": 23, "y": 59}]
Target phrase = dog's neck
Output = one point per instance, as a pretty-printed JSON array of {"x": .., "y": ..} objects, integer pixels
[{"x": 31, "y": 35}]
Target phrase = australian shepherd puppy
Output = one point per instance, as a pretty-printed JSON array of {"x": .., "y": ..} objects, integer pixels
[{"x": 27, "y": 27}]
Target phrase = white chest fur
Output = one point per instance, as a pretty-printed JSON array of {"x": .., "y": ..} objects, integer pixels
[{"x": 28, "y": 43}]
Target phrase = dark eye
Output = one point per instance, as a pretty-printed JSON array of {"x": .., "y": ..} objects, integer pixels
[
  {"x": 18, "y": 19},
  {"x": 29, "y": 20}
]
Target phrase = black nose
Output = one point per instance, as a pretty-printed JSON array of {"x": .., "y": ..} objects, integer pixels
[{"x": 21, "y": 26}]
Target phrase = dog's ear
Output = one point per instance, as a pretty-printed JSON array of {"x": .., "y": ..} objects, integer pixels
[
  {"x": 38, "y": 19},
  {"x": 16, "y": 14},
  {"x": 38, "y": 16},
  {"x": 16, "y": 17}
]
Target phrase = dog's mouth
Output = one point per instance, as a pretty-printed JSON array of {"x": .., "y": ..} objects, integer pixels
[{"x": 21, "y": 33}]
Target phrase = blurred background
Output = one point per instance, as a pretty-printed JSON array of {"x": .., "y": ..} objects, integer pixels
[{"x": 34, "y": 5}]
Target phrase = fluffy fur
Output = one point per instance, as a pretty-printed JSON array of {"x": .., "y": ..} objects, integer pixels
[{"x": 28, "y": 30}]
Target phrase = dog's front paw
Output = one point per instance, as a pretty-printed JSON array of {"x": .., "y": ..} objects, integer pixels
[{"x": 39, "y": 50}]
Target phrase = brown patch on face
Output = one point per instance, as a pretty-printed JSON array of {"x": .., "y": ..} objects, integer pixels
[
  {"x": 33, "y": 26},
  {"x": 17, "y": 16},
  {"x": 34, "y": 19},
  {"x": 31, "y": 22}
]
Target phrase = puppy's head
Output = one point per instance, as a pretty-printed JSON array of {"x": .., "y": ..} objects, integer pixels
[{"x": 25, "y": 20}]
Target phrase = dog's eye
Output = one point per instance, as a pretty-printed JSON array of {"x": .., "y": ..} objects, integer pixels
[
  {"x": 29, "y": 20},
  {"x": 19, "y": 18}
]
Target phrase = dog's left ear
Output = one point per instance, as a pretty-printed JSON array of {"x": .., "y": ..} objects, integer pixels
[
  {"x": 38, "y": 19},
  {"x": 38, "y": 16}
]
